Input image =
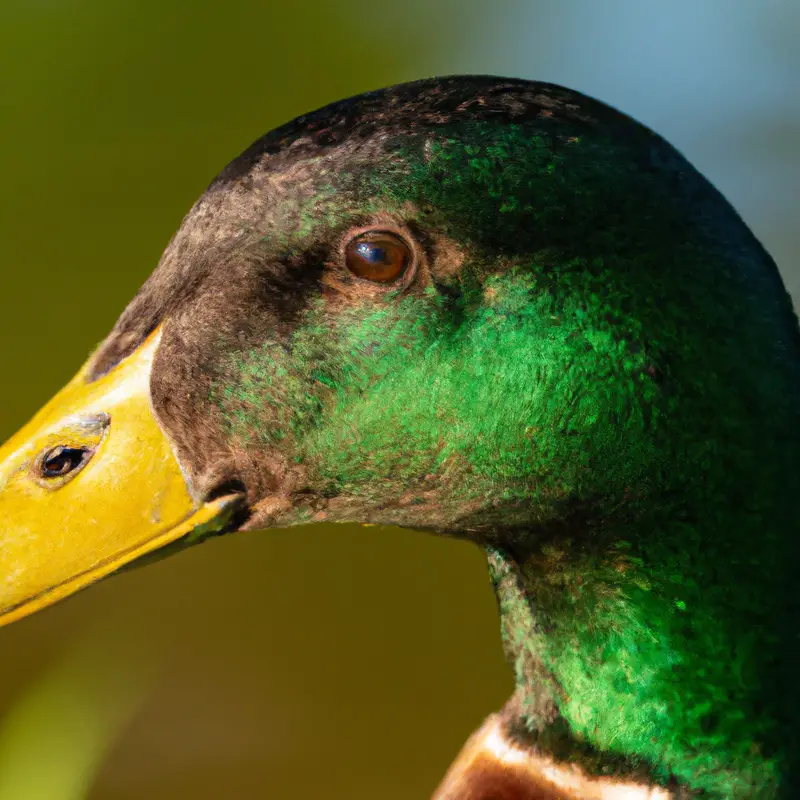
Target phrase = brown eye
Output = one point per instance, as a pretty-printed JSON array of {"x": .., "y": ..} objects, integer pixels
[
  {"x": 377, "y": 256},
  {"x": 63, "y": 460}
]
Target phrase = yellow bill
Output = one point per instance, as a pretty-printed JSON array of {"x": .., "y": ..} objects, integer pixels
[{"x": 90, "y": 484}]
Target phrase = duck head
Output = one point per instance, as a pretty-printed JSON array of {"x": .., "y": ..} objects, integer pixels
[{"x": 487, "y": 308}]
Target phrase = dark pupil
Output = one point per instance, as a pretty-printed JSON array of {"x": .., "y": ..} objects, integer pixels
[
  {"x": 372, "y": 253},
  {"x": 61, "y": 460}
]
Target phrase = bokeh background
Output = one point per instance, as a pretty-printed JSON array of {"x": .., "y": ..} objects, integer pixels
[{"x": 206, "y": 675}]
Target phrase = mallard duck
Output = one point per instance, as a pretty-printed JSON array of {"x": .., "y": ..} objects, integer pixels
[{"x": 491, "y": 309}]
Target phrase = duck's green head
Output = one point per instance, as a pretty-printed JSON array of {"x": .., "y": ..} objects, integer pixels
[{"x": 490, "y": 308}]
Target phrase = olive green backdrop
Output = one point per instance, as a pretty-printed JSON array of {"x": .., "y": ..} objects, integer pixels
[{"x": 215, "y": 674}]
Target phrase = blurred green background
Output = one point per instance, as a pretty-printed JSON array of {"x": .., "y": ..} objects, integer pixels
[{"x": 212, "y": 675}]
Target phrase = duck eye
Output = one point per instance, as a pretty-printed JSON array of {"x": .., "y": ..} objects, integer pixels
[
  {"x": 62, "y": 460},
  {"x": 377, "y": 256}
]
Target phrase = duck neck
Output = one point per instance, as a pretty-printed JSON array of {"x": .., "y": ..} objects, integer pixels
[
  {"x": 619, "y": 673},
  {"x": 540, "y": 644}
]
